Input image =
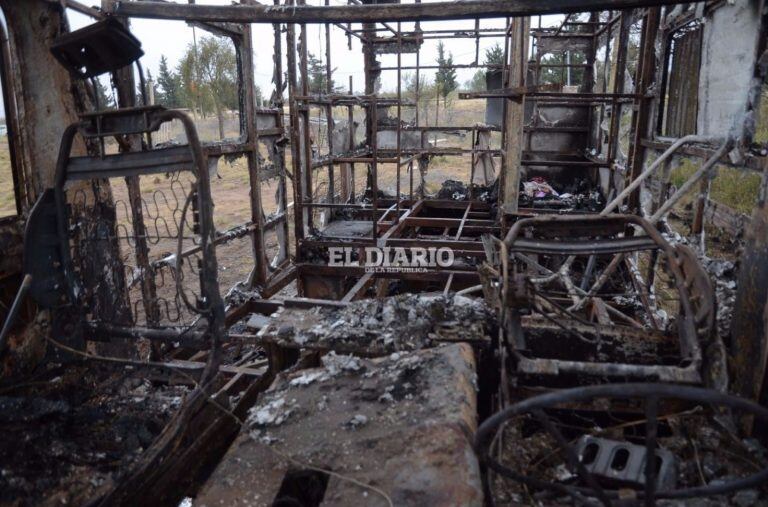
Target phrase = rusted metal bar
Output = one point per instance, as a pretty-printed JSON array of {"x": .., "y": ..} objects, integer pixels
[
  {"x": 126, "y": 97},
  {"x": 374, "y": 13},
  {"x": 374, "y": 112},
  {"x": 513, "y": 118},
  {"x": 13, "y": 312},
  {"x": 276, "y": 102},
  {"x": 295, "y": 138},
  {"x": 349, "y": 172},
  {"x": 692, "y": 180},
  {"x": 454, "y": 66},
  {"x": 392, "y": 232},
  {"x": 642, "y": 115},
  {"x": 20, "y": 181},
  {"x": 638, "y": 179},
  {"x": 307, "y": 134},
  {"x": 472, "y": 165},
  {"x": 258, "y": 275},
  {"x": 463, "y": 222},
  {"x": 81, "y": 8},
  {"x": 749, "y": 162},
  {"x": 618, "y": 83},
  {"x": 607, "y": 26},
  {"x": 399, "y": 115},
  {"x": 562, "y": 25},
  {"x": 343, "y": 100},
  {"x": 329, "y": 110},
  {"x": 360, "y": 286}
]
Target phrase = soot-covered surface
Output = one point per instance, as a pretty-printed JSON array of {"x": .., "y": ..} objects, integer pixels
[{"x": 74, "y": 429}]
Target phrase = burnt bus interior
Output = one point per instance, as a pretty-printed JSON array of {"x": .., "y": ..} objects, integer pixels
[{"x": 557, "y": 314}]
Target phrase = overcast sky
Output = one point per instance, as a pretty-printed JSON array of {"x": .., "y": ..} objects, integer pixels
[{"x": 171, "y": 38}]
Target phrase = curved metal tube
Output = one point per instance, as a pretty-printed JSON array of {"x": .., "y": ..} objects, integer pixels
[
  {"x": 616, "y": 202},
  {"x": 690, "y": 182},
  {"x": 647, "y": 391}
]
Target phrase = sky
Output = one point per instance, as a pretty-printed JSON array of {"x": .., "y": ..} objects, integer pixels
[{"x": 171, "y": 38}]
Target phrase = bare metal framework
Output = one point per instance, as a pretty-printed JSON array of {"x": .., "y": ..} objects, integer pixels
[
  {"x": 408, "y": 216},
  {"x": 583, "y": 280},
  {"x": 339, "y": 198}
]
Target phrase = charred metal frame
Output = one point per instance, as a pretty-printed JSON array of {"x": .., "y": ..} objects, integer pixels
[
  {"x": 558, "y": 236},
  {"x": 402, "y": 219},
  {"x": 408, "y": 219},
  {"x": 652, "y": 396},
  {"x": 396, "y": 218},
  {"x": 127, "y": 165}
]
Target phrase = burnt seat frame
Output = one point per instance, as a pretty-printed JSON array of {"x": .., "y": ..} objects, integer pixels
[
  {"x": 689, "y": 371},
  {"x": 143, "y": 121}
]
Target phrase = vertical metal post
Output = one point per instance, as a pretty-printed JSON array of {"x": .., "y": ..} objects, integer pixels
[
  {"x": 514, "y": 114},
  {"x": 258, "y": 277},
  {"x": 298, "y": 192},
  {"x": 399, "y": 118},
  {"x": 618, "y": 83},
  {"x": 351, "y": 121},
  {"x": 126, "y": 97},
  {"x": 374, "y": 110},
  {"x": 647, "y": 76},
  {"x": 277, "y": 102},
  {"x": 329, "y": 112},
  {"x": 305, "y": 114}
]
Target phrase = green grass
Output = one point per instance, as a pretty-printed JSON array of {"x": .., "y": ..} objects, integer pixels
[
  {"x": 761, "y": 132},
  {"x": 735, "y": 188},
  {"x": 7, "y": 197}
]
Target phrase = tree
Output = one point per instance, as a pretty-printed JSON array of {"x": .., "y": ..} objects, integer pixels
[
  {"x": 445, "y": 77},
  {"x": 559, "y": 75},
  {"x": 209, "y": 77},
  {"x": 169, "y": 84},
  {"x": 494, "y": 55},
  {"x": 477, "y": 83},
  {"x": 317, "y": 76},
  {"x": 150, "y": 82},
  {"x": 105, "y": 99},
  {"x": 258, "y": 96}
]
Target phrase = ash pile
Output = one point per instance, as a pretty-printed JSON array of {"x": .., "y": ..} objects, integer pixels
[
  {"x": 76, "y": 429},
  {"x": 406, "y": 322},
  {"x": 401, "y": 423}
]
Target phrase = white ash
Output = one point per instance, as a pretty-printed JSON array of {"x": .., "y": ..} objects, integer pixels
[
  {"x": 406, "y": 322},
  {"x": 263, "y": 436},
  {"x": 308, "y": 377},
  {"x": 562, "y": 473},
  {"x": 273, "y": 413},
  {"x": 357, "y": 421},
  {"x": 336, "y": 363},
  {"x": 723, "y": 274},
  {"x": 333, "y": 365}
]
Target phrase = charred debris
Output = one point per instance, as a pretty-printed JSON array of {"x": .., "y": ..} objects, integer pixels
[{"x": 531, "y": 305}]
